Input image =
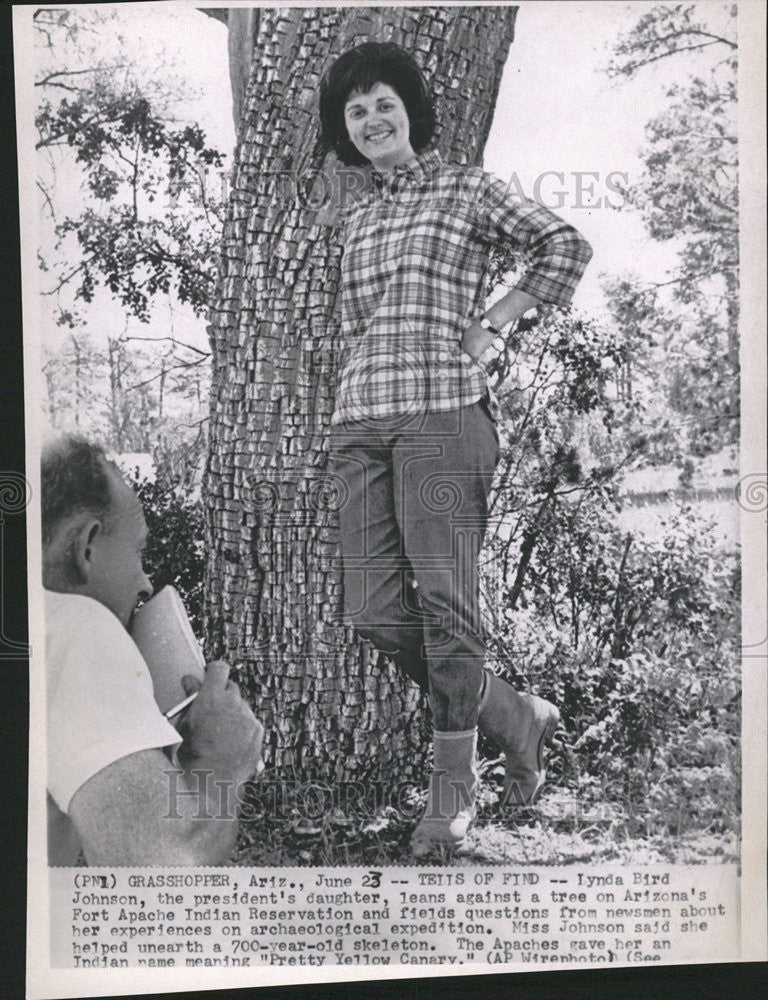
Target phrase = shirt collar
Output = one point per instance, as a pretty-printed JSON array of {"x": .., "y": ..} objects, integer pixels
[{"x": 412, "y": 172}]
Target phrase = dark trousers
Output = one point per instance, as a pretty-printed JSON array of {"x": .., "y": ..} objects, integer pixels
[{"x": 412, "y": 519}]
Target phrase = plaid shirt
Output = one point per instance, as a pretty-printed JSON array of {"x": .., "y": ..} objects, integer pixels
[{"x": 416, "y": 252}]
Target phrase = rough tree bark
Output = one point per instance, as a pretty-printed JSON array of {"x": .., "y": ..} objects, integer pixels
[{"x": 333, "y": 711}]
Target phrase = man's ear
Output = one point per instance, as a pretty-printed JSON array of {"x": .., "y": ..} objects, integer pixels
[{"x": 82, "y": 547}]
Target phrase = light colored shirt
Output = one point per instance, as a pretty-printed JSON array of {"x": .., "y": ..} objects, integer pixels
[
  {"x": 100, "y": 703},
  {"x": 416, "y": 253}
]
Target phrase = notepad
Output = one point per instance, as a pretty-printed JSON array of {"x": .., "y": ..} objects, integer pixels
[{"x": 161, "y": 630}]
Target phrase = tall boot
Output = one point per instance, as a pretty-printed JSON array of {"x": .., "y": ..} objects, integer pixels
[
  {"x": 521, "y": 724},
  {"x": 452, "y": 787}
]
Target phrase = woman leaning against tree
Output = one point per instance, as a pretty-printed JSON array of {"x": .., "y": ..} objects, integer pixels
[{"x": 413, "y": 434}]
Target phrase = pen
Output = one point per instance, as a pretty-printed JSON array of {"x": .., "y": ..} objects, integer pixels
[
  {"x": 188, "y": 701},
  {"x": 181, "y": 706}
]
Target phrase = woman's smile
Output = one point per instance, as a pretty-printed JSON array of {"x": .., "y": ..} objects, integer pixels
[{"x": 378, "y": 135}]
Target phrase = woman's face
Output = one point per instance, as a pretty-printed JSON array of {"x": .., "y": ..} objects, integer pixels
[{"x": 378, "y": 126}]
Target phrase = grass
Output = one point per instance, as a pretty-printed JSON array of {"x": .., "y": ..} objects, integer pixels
[{"x": 558, "y": 830}]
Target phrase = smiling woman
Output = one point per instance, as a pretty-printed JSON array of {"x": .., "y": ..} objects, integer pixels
[
  {"x": 365, "y": 85},
  {"x": 413, "y": 435}
]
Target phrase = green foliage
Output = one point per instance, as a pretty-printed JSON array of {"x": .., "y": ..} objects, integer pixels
[
  {"x": 130, "y": 159},
  {"x": 149, "y": 223},
  {"x": 563, "y": 432},
  {"x": 665, "y": 31},
  {"x": 139, "y": 259},
  {"x": 120, "y": 393},
  {"x": 175, "y": 552},
  {"x": 688, "y": 192},
  {"x": 636, "y": 641},
  {"x": 128, "y": 192},
  {"x": 633, "y": 637}
]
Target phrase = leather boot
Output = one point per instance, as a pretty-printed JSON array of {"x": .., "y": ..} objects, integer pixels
[
  {"x": 452, "y": 787},
  {"x": 521, "y": 725}
]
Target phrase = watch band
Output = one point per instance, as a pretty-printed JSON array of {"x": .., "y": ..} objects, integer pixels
[{"x": 486, "y": 324}]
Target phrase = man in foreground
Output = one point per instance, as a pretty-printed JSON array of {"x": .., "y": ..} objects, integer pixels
[{"x": 122, "y": 785}]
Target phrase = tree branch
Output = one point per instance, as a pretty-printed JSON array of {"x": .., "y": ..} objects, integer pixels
[
  {"x": 693, "y": 32},
  {"x": 174, "y": 341},
  {"x": 46, "y": 80},
  {"x": 68, "y": 277},
  {"x": 634, "y": 66},
  {"x": 44, "y": 192},
  {"x": 51, "y": 139},
  {"x": 165, "y": 371}
]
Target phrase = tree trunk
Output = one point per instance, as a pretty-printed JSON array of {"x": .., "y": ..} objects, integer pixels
[{"x": 332, "y": 709}]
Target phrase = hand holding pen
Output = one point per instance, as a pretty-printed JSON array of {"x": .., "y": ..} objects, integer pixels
[{"x": 219, "y": 729}]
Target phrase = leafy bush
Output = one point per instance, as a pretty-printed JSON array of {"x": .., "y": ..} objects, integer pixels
[
  {"x": 175, "y": 552},
  {"x": 635, "y": 639}
]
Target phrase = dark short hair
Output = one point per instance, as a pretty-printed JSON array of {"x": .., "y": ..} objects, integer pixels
[
  {"x": 361, "y": 69},
  {"x": 74, "y": 477}
]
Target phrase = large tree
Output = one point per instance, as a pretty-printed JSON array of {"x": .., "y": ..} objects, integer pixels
[{"x": 333, "y": 710}]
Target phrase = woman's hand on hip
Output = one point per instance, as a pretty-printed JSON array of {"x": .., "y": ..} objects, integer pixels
[
  {"x": 508, "y": 309},
  {"x": 476, "y": 339}
]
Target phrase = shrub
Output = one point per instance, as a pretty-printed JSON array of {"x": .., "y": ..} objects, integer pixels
[
  {"x": 636, "y": 640},
  {"x": 175, "y": 552}
]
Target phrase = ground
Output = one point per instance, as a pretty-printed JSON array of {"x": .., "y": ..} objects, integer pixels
[{"x": 554, "y": 832}]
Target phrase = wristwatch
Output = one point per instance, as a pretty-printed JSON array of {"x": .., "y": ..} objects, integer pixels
[{"x": 486, "y": 324}]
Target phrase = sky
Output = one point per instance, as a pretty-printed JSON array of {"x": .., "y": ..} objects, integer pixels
[{"x": 561, "y": 128}]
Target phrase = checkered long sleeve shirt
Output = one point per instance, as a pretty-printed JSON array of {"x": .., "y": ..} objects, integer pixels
[{"x": 416, "y": 253}]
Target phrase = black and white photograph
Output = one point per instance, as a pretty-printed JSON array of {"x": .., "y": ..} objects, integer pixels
[{"x": 394, "y": 388}]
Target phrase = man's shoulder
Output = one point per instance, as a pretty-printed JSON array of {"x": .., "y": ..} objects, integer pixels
[
  {"x": 59, "y": 606},
  {"x": 74, "y": 622},
  {"x": 84, "y": 635}
]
